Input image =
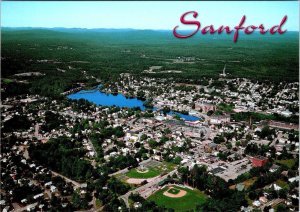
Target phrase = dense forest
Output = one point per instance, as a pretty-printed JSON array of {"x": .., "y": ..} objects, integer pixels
[
  {"x": 65, "y": 56},
  {"x": 64, "y": 156}
]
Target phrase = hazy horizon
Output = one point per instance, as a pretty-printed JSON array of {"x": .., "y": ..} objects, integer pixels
[
  {"x": 145, "y": 15},
  {"x": 82, "y": 28}
]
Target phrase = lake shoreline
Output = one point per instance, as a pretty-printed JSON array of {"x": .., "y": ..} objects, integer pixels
[{"x": 101, "y": 98}]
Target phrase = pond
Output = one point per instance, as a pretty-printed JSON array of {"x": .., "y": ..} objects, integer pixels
[{"x": 105, "y": 99}]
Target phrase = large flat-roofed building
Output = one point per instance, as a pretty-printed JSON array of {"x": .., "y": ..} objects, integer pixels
[
  {"x": 259, "y": 161},
  {"x": 205, "y": 107}
]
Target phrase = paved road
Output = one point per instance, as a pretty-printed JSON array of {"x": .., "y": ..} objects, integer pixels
[
  {"x": 25, "y": 207},
  {"x": 92, "y": 145},
  {"x": 272, "y": 202},
  {"x": 76, "y": 184}
]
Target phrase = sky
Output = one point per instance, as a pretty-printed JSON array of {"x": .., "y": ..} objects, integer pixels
[{"x": 146, "y": 15}]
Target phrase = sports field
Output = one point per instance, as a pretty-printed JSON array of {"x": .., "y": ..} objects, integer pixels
[
  {"x": 133, "y": 173},
  {"x": 152, "y": 169},
  {"x": 170, "y": 197},
  {"x": 174, "y": 191}
]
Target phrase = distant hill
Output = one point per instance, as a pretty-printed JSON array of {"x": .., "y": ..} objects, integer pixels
[{"x": 274, "y": 57}]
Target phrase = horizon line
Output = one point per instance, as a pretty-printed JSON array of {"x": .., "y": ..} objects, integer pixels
[{"x": 107, "y": 28}]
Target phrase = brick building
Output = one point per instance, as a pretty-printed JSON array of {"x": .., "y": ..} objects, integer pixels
[{"x": 259, "y": 161}]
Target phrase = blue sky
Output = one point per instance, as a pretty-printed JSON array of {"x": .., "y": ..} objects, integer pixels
[{"x": 145, "y": 15}]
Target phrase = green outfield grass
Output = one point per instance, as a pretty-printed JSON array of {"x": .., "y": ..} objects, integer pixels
[
  {"x": 154, "y": 171},
  {"x": 133, "y": 173},
  {"x": 187, "y": 202}
]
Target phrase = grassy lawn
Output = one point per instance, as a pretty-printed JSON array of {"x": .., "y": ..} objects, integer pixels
[
  {"x": 7, "y": 81},
  {"x": 246, "y": 183},
  {"x": 249, "y": 182},
  {"x": 225, "y": 107},
  {"x": 187, "y": 202},
  {"x": 282, "y": 183},
  {"x": 165, "y": 167},
  {"x": 249, "y": 201},
  {"x": 289, "y": 162},
  {"x": 133, "y": 173},
  {"x": 98, "y": 203}
]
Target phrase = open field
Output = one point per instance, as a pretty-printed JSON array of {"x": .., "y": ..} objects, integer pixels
[
  {"x": 133, "y": 173},
  {"x": 173, "y": 190},
  {"x": 246, "y": 183},
  {"x": 289, "y": 162},
  {"x": 282, "y": 184},
  {"x": 154, "y": 168},
  {"x": 186, "y": 202},
  {"x": 249, "y": 182}
]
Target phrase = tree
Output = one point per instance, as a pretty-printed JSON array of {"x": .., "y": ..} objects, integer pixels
[
  {"x": 18, "y": 122},
  {"x": 153, "y": 144},
  {"x": 229, "y": 145},
  {"x": 281, "y": 208},
  {"x": 177, "y": 160},
  {"x": 266, "y": 132},
  {"x": 117, "y": 186},
  {"x": 143, "y": 137},
  {"x": 52, "y": 121},
  {"x": 209, "y": 113},
  {"x": 222, "y": 156},
  {"x": 219, "y": 139},
  {"x": 64, "y": 156}
]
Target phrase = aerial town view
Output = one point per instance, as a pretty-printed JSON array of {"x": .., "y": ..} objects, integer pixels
[{"x": 128, "y": 119}]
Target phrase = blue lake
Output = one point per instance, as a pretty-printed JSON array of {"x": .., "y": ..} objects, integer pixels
[{"x": 103, "y": 99}]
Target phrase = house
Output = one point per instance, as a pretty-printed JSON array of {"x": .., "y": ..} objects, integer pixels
[
  {"x": 48, "y": 184},
  {"x": 137, "y": 205},
  {"x": 157, "y": 157},
  {"x": 160, "y": 118},
  {"x": 276, "y": 187},
  {"x": 294, "y": 179},
  {"x": 38, "y": 195},
  {"x": 184, "y": 161},
  {"x": 210, "y": 147},
  {"x": 6, "y": 209},
  {"x": 263, "y": 199},
  {"x": 24, "y": 201},
  {"x": 256, "y": 203},
  {"x": 219, "y": 119},
  {"x": 30, "y": 207},
  {"x": 53, "y": 189},
  {"x": 274, "y": 168},
  {"x": 205, "y": 107},
  {"x": 286, "y": 113}
]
